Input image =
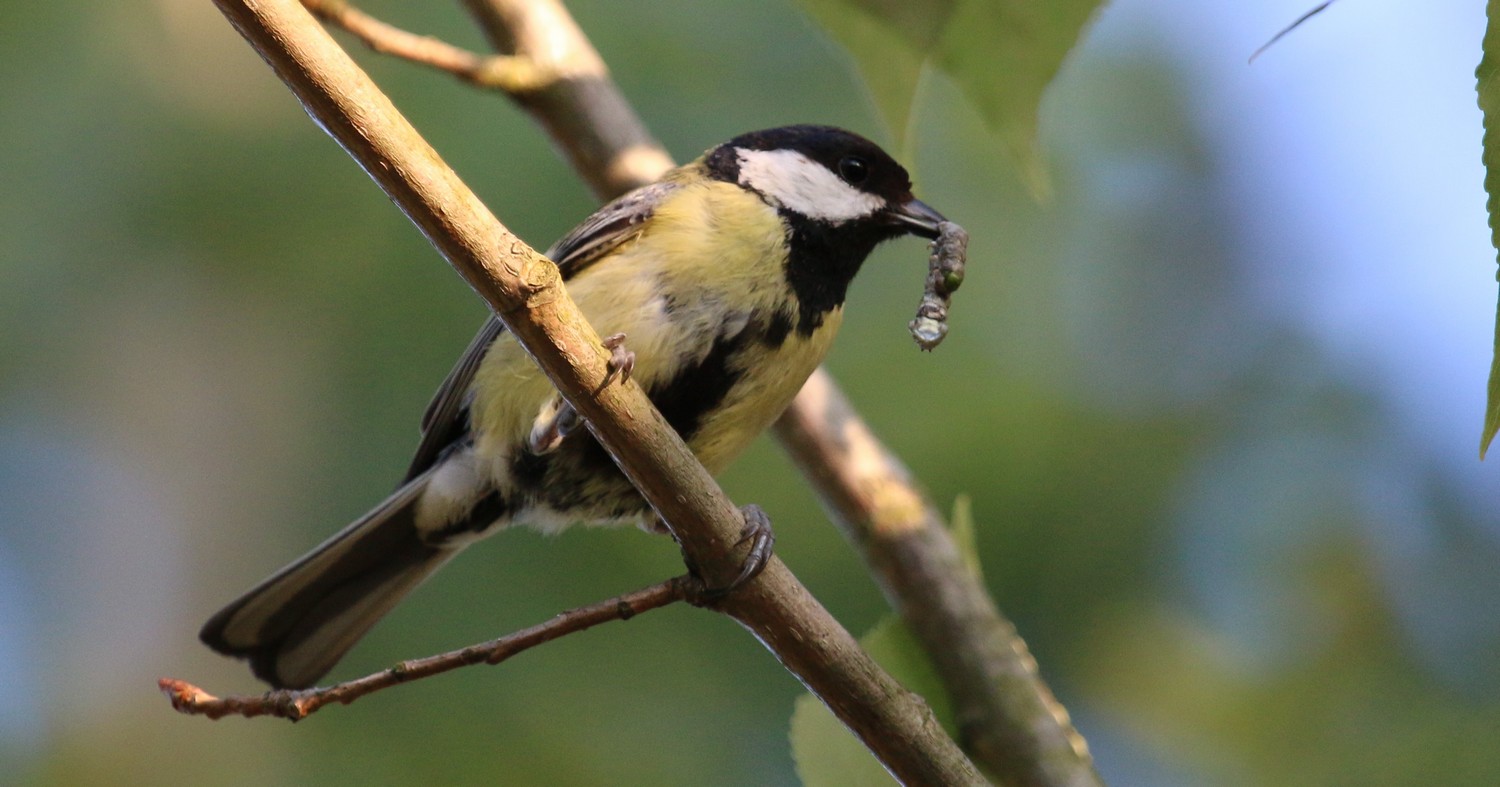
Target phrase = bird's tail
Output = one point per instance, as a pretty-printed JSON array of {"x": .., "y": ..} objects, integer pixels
[{"x": 297, "y": 624}]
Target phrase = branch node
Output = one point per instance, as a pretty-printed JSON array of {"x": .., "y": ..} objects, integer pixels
[
  {"x": 517, "y": 75},
  {"x": 514, "y": 74}
]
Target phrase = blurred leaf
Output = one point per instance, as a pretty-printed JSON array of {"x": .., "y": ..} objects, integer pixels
[
  {"x": 1001, "y": 53},
  {"x": 1488, "y": 75},
  {"x": 963, "y": 533},
  {"x": 826, "y": 753},
  {"x": 889, "y": 61},
  {"x": 1188, "y": 690}
]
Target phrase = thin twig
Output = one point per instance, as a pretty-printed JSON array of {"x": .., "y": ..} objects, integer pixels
[
  {"x": 298, "y": 705},
  {"x": 509, "y": 74},
  {"x": 546, "y": 66},
  {"x": 526, "y": 291},
  {"x": 1321, "y": 7}
]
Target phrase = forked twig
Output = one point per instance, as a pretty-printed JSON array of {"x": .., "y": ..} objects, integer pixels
[{"x": 511, "y": 74}]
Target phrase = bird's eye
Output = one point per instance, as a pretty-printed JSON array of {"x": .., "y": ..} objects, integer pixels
[{"x": 854, "y": 170}]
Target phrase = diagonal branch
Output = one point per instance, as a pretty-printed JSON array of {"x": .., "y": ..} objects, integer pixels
[
  {"x": 298, "y": 705},
  {"x": 526, "y": 291},
  {"x": 1007, "y": 717},
  {"x": 584, "y": 113}
]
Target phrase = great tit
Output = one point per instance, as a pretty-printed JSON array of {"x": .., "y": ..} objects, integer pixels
[{"x": 727, "y": 276}]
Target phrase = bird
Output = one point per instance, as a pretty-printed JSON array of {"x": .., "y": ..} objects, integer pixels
[{"x": 724, "y": 283}]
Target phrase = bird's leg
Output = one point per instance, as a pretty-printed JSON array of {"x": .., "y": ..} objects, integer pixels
[
  {"x": 548, "y": 431},
  {"x": 620, "y": 359},
  {"x": 762, "y": 538},
  {"x": 758, "y": 532}
]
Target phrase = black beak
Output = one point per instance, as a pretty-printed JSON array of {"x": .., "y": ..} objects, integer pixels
[{"x": 916, "y": 217}]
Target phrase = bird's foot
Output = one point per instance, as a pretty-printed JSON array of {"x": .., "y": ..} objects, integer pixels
[
  {"x": 762, "y": 538},
  {"x": 548, "y": 433},
  {"x": 621, "y": 360}
]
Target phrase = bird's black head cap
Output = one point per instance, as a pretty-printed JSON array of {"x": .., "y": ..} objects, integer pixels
[
  {"x": 839, "y": 195},
  {"x": 856, "y": 161}
]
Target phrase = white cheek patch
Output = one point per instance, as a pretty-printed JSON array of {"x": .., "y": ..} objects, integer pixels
[{"x": 804, "y": 186}]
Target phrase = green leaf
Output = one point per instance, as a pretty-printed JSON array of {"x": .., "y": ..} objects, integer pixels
[
  {"x": 890, "y": 65},
  {"x": 1001, "y": 54},
  {"x": 826, "y": 753},
  {"x": 1488, "y": 75}
]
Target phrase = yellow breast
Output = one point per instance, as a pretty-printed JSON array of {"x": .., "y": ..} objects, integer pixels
[{"x": 709, "y": 264}]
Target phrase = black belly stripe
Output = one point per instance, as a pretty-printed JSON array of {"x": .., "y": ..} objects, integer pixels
[
  {"x": 776, "y": 330},
  {"x": 581, "y": 475},
  {"x": 697, "y": 389}
]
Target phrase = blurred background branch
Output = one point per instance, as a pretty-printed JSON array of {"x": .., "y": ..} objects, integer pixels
[
  {"x": 1007, "y": 717},
  {"x": 498, "y": 72},
  {"x": 585, "y": 115}
]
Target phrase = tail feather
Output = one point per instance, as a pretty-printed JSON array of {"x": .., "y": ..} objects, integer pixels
[{"x": 296, "y": 625}]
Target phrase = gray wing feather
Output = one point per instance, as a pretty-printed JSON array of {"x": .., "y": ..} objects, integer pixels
[
  {"x": 446, "y": 421},
  {"x": 610, "y": 226}
]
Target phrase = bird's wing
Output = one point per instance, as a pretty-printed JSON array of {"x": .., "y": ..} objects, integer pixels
[
  {"x": 446, "y": 421},
  {"x": 609, "y": 227}
]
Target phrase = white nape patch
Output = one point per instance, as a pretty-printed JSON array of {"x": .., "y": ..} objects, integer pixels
[{"x": 801, "y": 185}]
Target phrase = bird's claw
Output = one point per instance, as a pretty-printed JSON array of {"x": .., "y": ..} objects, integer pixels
[
  {"x": 762, "y": 538},
  {"x": 621, "y": 360},
  {"x": 548, "y": 432}
]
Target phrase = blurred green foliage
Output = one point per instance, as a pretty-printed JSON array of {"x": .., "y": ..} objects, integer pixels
[
  {"x": 216, "y": 337},
  {"x": 1001, "y": 54},
  {"x": 826, "y": 753}
]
